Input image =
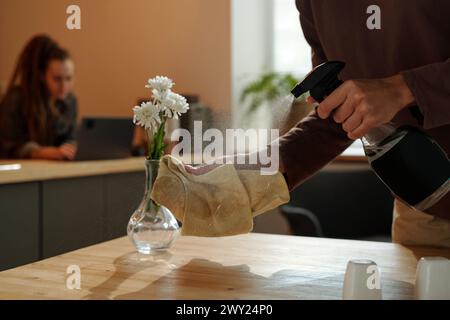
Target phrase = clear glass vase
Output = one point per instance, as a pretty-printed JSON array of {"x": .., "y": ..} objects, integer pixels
[{"x": 152, "y": 227}]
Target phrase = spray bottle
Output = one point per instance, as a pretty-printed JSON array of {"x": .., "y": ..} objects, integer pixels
[{"x": 408, "y": 161}]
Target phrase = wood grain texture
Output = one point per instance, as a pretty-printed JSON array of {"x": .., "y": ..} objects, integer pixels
[{"x": 252, "y": 266}]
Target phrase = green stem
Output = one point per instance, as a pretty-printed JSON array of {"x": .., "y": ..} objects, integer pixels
[
  {"x": 150, "y": 144},
  {"x": 156, "y": 148}
]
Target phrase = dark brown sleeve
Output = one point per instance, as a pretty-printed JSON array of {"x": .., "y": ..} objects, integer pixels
[
  {"x": 309, "y": 31},
  {"x": 309, "y": 146},
  {"x": 430, "y": 86}
]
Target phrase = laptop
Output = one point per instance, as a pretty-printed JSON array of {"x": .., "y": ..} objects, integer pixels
[{"x": 104, "y": 138}]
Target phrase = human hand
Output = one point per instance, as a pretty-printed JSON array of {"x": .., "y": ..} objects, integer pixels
[
  {"x": 68, "y": 151},
  {"x": 361, "y": 105},
  {"x": 63, "y": 152},
  {"x": 47, "y": 153}
]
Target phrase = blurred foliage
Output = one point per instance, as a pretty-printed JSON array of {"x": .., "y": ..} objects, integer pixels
[{"x": 268, "y": 87}]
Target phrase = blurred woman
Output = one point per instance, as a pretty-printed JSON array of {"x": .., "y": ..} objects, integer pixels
[{"x": 38, "y": 112}]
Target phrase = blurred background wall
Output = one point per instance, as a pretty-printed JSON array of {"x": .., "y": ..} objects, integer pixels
[{"x": 120, "y": 46}]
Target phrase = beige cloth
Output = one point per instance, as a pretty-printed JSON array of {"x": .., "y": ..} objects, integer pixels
[
  {"x": 412, "y": 227},
  {"x": 221, "y": 202}
]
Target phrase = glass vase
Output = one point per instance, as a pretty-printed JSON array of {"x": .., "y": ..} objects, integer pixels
[{"x": 152, "y": 227}]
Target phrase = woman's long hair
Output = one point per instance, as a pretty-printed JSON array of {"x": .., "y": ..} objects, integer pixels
[{"x": 29, "y": 75}]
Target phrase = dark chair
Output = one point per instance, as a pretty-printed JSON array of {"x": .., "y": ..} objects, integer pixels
[{"x": 302, "y": 222}]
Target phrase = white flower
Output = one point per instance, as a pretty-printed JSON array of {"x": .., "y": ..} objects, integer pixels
[
  {"x": 160, "y": 83},
  {"x": 147, "y": 116},
  {"x": 174, "y": 105},
  {"x": 168, "y": 101},
  {"x": 159, "y": 95}
]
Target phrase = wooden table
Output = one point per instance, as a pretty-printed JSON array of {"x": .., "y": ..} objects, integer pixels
[{"x": 252, "y": 266}]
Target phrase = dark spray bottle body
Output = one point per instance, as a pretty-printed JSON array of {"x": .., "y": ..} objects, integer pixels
[{"x": 411, "y": 164}]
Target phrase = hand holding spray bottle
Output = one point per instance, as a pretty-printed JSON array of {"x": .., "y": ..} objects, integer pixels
[{"x": 408, "y": 161}]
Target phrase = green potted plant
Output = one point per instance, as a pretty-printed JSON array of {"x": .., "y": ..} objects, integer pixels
[{"x": 268, "y": 89}]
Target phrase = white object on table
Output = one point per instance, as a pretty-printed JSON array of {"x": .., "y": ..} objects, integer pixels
[
  {"x": 362, "y": 281},
  {"x": 433, "y": 278}
]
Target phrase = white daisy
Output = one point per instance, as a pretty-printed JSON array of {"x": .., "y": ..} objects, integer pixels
[
  {"x": 147, "y": 116},
  {"x": 160, "y": 83},
  {"x": 174, "y": 105},
  {"x": 159, "y": 95}
]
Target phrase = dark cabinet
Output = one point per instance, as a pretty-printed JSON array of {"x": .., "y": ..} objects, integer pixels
[
  {"x": 72, "y": 214},
  {"x": 123, "y": 193},
  {"x": 47, "y": 218},
  {"x": 19, "y": 235}
]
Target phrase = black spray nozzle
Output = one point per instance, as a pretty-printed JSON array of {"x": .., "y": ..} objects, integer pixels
[{"x": 321, "y": 81}]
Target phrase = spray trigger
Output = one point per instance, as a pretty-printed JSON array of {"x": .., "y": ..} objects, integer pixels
[{"x": 321, "y": 81}]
